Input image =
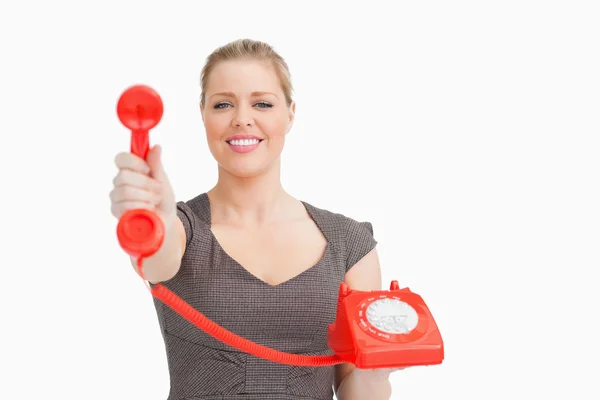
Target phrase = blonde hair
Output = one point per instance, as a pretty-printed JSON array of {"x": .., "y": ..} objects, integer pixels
[{"x": 247, "y": 49}]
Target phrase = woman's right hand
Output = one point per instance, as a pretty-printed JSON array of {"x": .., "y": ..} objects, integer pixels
[{"x": 143, "y": 184}]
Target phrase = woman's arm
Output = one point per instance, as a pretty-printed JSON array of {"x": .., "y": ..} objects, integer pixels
[
  {"x": 352, "y": 383},
  {"x": 165, "y": 263}
]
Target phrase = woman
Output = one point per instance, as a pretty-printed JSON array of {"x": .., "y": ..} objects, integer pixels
[{"x": 246, "y": 253}]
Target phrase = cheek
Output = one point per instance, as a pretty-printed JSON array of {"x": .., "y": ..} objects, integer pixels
[
  {"x": 214, "y": 128},
  {"x": 275, "y": 128}
]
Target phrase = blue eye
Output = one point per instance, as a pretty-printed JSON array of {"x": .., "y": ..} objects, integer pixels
[
  {"x": 219, "y": 105},
  {"x": 264, "y": 104}
]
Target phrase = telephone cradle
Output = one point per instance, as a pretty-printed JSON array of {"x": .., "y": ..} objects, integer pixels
[{"x": 373, "y": 329}]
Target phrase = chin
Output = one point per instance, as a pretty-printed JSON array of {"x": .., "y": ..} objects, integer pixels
[{"x": 245, "y": 169}]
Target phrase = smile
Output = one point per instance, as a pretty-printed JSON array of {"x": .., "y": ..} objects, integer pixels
[{"x": 244, "y": 145}]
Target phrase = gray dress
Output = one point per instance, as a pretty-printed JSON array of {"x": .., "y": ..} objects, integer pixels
[{"x": 291, "y": 317}]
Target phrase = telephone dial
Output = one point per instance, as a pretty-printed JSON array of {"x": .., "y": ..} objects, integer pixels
[{"x": 373, "y": 329}]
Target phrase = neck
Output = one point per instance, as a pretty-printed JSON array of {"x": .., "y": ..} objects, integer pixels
[{"x": 249, "y": 200}]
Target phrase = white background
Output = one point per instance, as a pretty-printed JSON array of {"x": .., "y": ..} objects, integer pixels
[{"x": 467, "y": 132}]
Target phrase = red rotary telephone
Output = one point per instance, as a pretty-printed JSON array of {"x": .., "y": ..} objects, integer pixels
[{"x": 373, "y": 329}]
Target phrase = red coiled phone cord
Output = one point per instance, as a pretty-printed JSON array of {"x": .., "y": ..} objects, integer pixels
[{"x": 205, "y": 324}]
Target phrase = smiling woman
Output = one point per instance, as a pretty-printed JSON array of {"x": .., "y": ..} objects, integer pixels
[
  {"x": 246, "y": 253},
  {"x": 246, "y": 109}
]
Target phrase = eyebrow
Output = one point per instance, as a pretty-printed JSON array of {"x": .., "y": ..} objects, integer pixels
[{"x": 253, "y": 94}]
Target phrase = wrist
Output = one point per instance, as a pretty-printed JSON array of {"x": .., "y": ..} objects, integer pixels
[{"x": 168, "y": 219}]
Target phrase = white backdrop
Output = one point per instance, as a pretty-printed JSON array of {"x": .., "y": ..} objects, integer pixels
[{"x": 467, "y": 132}]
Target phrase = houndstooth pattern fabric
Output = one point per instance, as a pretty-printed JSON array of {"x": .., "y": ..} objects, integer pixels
[{"x": 292, "y": 316}]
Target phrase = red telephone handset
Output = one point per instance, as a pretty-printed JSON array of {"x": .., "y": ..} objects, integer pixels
[
  {"x": 140, "y": 232},
  {"x": 373, "y": 329}
]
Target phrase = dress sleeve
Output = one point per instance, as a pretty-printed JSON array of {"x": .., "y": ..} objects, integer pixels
[
  {"x": 187, "y": 217},
  {"x": 359, "y": 241}
]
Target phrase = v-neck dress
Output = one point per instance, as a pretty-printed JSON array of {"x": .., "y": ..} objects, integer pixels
[{"x": 292, "y": 316}]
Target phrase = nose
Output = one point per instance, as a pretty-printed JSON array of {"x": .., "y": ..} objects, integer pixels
[{"x": 242, "y": 117}]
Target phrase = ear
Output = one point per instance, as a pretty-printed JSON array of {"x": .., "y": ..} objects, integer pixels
[
  {"x": 201, "y": 111},
  {"x": 291, "y": 115}
]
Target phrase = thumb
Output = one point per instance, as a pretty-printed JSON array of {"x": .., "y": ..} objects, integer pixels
[{"x": 154, "y": 160}]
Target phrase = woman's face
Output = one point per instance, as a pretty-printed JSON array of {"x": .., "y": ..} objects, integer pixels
[{"x": 246, "y": 116}]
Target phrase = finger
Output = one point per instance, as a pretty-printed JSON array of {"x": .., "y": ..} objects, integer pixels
[
  {"x": 132, "y": 162},
  {"x": 132, "y": 194},
  {"x": 118, "y": 209},
  {"x": 127, "y": 177}
]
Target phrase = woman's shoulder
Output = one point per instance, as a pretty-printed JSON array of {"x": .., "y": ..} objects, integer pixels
[
  {"x": 351, "y": 228},
  {"x": 354, "y": 236},
  {"x": 194, "y": 213}
]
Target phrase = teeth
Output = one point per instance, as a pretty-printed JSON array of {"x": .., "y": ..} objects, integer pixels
[{"x": 244, "y": 142}]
